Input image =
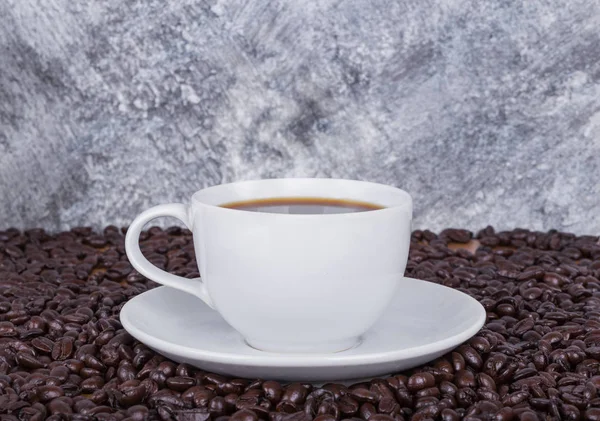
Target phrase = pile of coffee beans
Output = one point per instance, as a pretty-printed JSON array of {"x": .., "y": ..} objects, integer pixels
[{"x": 65, "y": 356}]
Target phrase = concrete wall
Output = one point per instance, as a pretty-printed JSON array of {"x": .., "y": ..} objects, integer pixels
[{"x": 487, "y": 112}]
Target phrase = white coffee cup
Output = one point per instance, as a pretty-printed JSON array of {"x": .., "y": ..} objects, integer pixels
[{"x": 291, "y": 282}]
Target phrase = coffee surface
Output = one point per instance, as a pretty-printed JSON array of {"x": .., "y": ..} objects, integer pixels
[
  {"x": 303, "y": 205},
  {"x": 64, "y": 354}
]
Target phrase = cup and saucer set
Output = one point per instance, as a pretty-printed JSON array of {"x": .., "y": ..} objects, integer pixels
[{"x": 302, "y": 280}]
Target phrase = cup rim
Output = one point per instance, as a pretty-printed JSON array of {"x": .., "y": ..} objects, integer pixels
[{"x": 405, "y": 202}]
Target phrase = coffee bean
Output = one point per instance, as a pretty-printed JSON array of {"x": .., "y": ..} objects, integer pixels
[
  {"x": 465, "y": 378},
  {"x": 134, "y": 395},
  {"x": 348, "y": 406},
  {"x": 75, "y": 366},
  {"x": 380, "y": 417},
  {"x": 458, "y": 361},
  {"x": 138, "y": 412},
  {"x": 47, "y": 393},
  {"x": 367, "y": 410},
  {"x": 249, "y": 399},
  {"x": 466, "y": 397},
  {"x": 42, "y": 344},
  {"x": 420, "y": 381},
  {"x": 7, "y": 329},
  {"x": 99, "y": 397},
  {"x": 272, "y": 391},
  {"x": 27, "y": 360},
  {"x": 244, "y": 415},
  {"x": 63, "y": 348},
  {"x": 449, "y": 415},
  {"x": 542, "y": 339},
  {"x": 200, "y": 396},
  {"x": 325, "y": 417},
  {"x": 180, "y": 383},
  {"x": 57, "y": 406},
  {"x": 163, "y": 397},
  {"x": 363, "y": 395},
  {"x": 91, "y": 384}
]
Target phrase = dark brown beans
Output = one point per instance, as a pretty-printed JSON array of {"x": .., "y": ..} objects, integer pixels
[
  {"x": 91, "y": 384},
  {"x": 163, "y": 397},
  {"x": 363, "y": 395},
  {"x": 42, "y": 344},
  {"x": 420, "y": 381},
  {"x": 449, "y": 415},
  {"x": 180, "y": 383},
  {"x": 27, "y": 360},
  {"x": 592, "y": 414},
  {"x": 57, "y": 406},
  {"x": 202, "y": 397},
  {"x": 272, "y": 391},
  {"x": 465, "y": 378},
  {"x": 134, "y": 395},
  {"x": 47, "y": 393},
  {"x": 380, "y": 417},
  {"x": 367, "y": 410},
  {"x": 458, "y": 361},
  {"x": 63, "y": 348},
  {"x": 294, "y": 393},
  {"x": 348, "y": 406},
  {"x": 244, "y": 415},
  {"x": 138, "y": 413},
  {"x": 60, "y": 336},
  {"x": 325, "y": 417}
]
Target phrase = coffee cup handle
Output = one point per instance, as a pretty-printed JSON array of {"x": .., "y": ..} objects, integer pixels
[{"x": 132, "y": 247}]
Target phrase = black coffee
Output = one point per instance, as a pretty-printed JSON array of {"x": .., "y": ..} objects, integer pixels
[{"x": 303, "y": 205}]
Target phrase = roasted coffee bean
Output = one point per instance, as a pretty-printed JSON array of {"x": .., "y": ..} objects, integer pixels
[
  {"x": 165, "y": 397},
  {"x": 150, "y": 386},
  {"x": 201, "y": 398},
  {"x": 448, "y": 388},
  {"x": 367, "y": 410},
  {"x": 465, "y": 378},
  {"x": 138, "y": 413},
  {"x": 539, "y": 350},
  {"x": 27, "y": 360},
  {"x": 465, "y": 397},
  {"x": 91, "y": 384},
  {"x": 449, "y": 415},
  {"x": 133, "y": 396},
  {"x": 60, "y": 372},
  {"x": 180, "y": 383},
  {"x": 430, "y": 391},
  {"x": 458, "y": 361},
  {"x": 363, "y": 395},
  {"x": 42, "y": 345},
  {"x": 47, "y": 393},
  {"x": 325, "y": 417},
  {"x": 249, "y": 399},
  {"x": 63, "y": 348},
  {"x": 420, "y": 381},
  {"x": 99, "y": 397},
  {"x": 57, "y": 406},
  {"x": 244, "y": 415},
  {"x": 592, "y": 414},
  {"x": 126, "y": 371},
  {"x": 338, "y": 390},
  {"x": 381, "y": 417},
  {"x": 272, "y": 391},
  {"x": 7, "y": 329},
  {"x": 348, "y": 406}
]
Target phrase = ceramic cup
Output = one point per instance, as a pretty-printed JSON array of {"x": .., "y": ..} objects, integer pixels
[{"x": 293, "y": 283}]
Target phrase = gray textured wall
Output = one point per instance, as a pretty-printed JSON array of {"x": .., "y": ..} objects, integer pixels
[{"x": 488, "y": 112}]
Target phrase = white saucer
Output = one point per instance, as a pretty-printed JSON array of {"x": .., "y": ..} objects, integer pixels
[{"x": 423, "y": 322}]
